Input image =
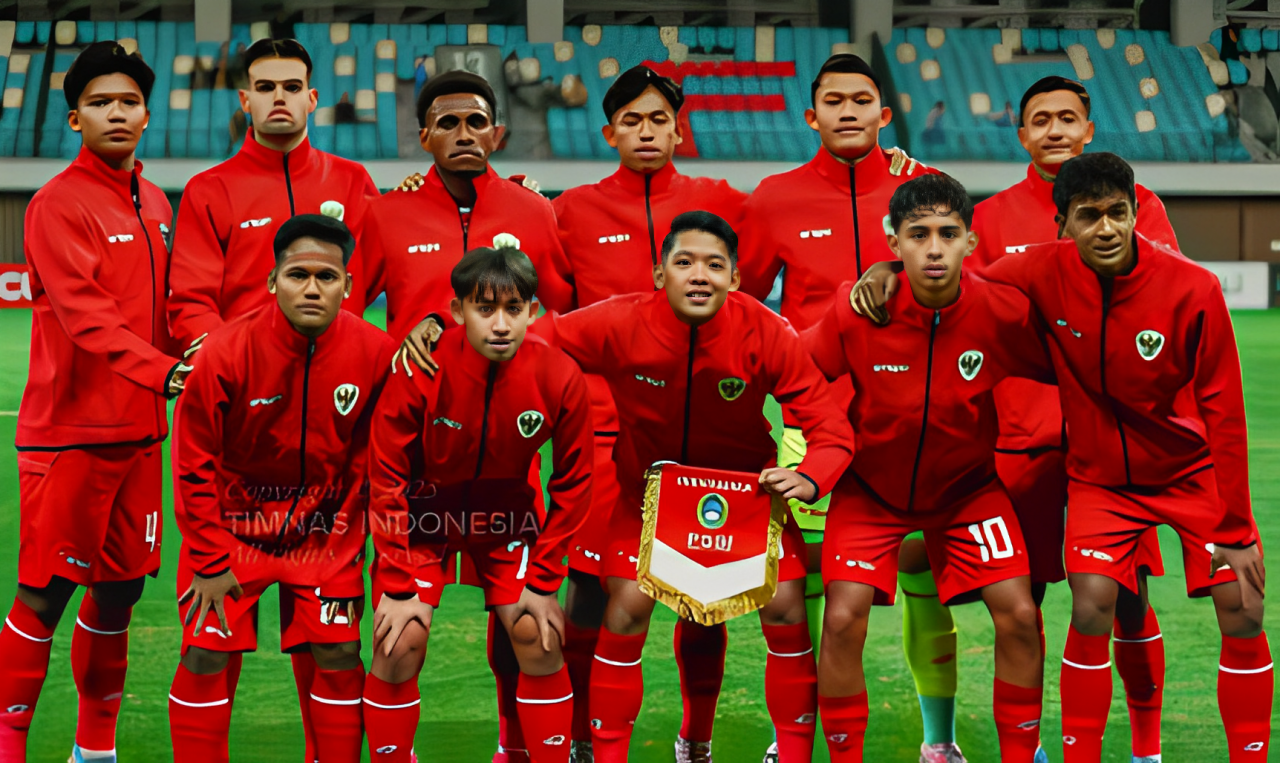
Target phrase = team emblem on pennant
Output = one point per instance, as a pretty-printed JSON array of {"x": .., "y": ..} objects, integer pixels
[
  {"x": 344, "y": 397},
  {"x": 731, "y": 388},
  {"x": 529, "y": 423},
  {"x": 970, "y": 364},
  {"x": 1150, "y": 343},
  {"x": 713, "y": 511}
]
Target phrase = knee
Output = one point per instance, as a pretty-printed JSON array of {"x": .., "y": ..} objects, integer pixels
[
  {"x": 204, "y": 662},
  {"x": 344, "y": 656},
  {"x": 1240, "y": 621},
  {"x": 1093, "y": 605},
  {"x": 48, "y": 603},
  {"x": 525, "y": 636},
  {"x": 1018, "y": 619},
  {"x": 787, "y": 606},
  {"x": 845, "y": 625}
]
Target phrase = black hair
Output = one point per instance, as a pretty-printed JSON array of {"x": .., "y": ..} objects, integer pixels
[
  {"x": 327, "y": 229},
  {"x": 1092, "y": 176},
  {"x": 930, "y": 194},
  {"x": 452, "y": 83},
  {"x": 1049, "y": 85},
  {"x": 634, "y": 81},
  {"x": 844, "y": 63},
  {"x": 706, "y": 222},
  {"x": 102, "y": 58},
  {"x": 485, "y": 270},
  {"x": 267, "y": 48}
]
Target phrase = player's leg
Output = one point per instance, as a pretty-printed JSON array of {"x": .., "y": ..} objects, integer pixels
[
  {"x": 700, "y": 652},
  {"x": 842, "y": 686},
  {"x": 929, "y": 642},
  {"x": 617, "y": 683},
  {"x": 1138, "y": 650},
  {"x": 304, "y": 675},
  {"x": 392, "y": 700},
  {"x": 336, "y": 701},
  {"x": 26, "y": 641},
  {"x": 1085, "y": 681},
  {"x": 1246, "y": 678},
  {"x": 1019, "y": 669},
  {"x": 99, "y": 661},
  {"x": 506, "y": 669},
  {"x": 544, "y": 697},
  {"x": 791, "y": 671}
]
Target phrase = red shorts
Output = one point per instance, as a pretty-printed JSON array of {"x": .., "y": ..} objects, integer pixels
[
  {"x": 1107, "y": 529},
  {"x": 500, "y": 568},
  {"x": 460, "y": 568},
  {"x": 972, "y": 544},
  {"x": 592, "y": 539},
  {"x": 89, "y": 515}
]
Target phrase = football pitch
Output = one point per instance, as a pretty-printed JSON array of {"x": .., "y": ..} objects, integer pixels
[{"x": 458, "y": 709}]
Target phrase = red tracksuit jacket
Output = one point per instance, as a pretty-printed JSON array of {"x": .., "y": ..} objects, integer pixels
[
  {"x": 922, "y": 405},
  {"x": 412, "y": 240},
  {"x": 622, "y": 221},
  {"x": 100, "y": 350},
  {"x": 696, "y": 395},
  {"x": 273, "y": 445},
  {"x": 469, "y": 432},
  {"x": 1030, "y": 414},
  {"x": 1147, "y": 370},
  {"x": 227, "y": 223}
]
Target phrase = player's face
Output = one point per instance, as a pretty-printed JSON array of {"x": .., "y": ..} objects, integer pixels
[
  {"x": 310, "y": 283},
  {"x": 278, "y": 98},
  {"x": 1054, "y": 127},
  {"x": 460, "y": 134},
  {"x": 110, "y": 116},
  {"x": 932, "y": 248},
  {"x": 1103, "y": 231},
  {"x": 847, "y": 115},
  {"x": 697, "y": 276},
  {"x": 645, "y": 132},
  {"x": 495, "y": 324}
]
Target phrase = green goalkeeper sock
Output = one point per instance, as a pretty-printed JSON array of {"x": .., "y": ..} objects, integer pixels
[
  {"x": 815, "y": 604},
  {"x": 929, "y": 641}
]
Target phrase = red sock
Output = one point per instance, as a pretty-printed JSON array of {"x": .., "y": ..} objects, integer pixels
[
  {"x": 1140, "y": 661},
  {"x": 791, "y": 689},
  {"x": 391, "y": 713},
  {"x": 1086, "y": 696},
  {"x": 1246, "y": 688},
  {"x": 617, "y": 690},
  {"x": 1017, "y": 713},
  {"x": 304, "y": 675},
  {"x": 545, "y": 704},
  {"x": 25, "y": 642},
  {"x": 99, "y": 661},
  {"x": 235, "y": 661},
  {"x": 579, "y": 653},
  {"x": 506, "y": 676},
  {"x": 199, "y": 717},
  {"x": 700, "y": 656},
  {"x": 844, "y": 721},
  {"x": 336, "y": 714}
]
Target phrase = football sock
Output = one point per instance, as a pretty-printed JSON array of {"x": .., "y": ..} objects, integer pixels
[
  {"x": 929, "y": 642},
  {"x": 815, "y": 605},
  {"x": 1086, "y": 696},
  {"x": 1246, "y": 689},
  {"x": 791, "y": 689},
  {"x": 391, "y": 713},
  {"x": 617, "y": 690},
  {"x": 1017, "y": 714},
  {"x": 99, "y": 661},
  {"x": 545, "y": 704},
  {"x": 700, "y": 652},
  {"x": 844, "y": 722},
  {"x": 25, "y": 643},
  {"x": 506, "y": 675},
  {"x": 579, "y": 654},
  {"x": 1139, "y": 659},
  {"x": 304, "y": 675},
  {"x": 199, "y": 717},
  {"x": 336, "y": 715}
]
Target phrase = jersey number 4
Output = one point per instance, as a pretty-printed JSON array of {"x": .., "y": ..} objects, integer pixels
[{"x": 993, "y": 539}]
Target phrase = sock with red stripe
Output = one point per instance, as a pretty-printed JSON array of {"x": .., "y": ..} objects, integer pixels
[
  {"x": 336, "y": 714},
  {"x": 700, "y": 652},
  {"x": 1086, "y": 696},
  {"x": 391, "y": 714},
  {"x": 545, "y": 704},
  {"x": 99, "y": 661},
  {"x": 617, "y": 690},
  {"x": 1139, "y": 657},
  {"x": 1017, "y": 713},
  {"x": 199, "y": 716},
  {"x": 579, "y": 654},
  {"x": 25, "y": 643},
  {"x": 791, "y": 688},
  {"x": 304, "y": 675},
  {"x": 844, "y": 721},
  {"x": 1246, "y": 689},
  {"x": 506, "y": 675}
]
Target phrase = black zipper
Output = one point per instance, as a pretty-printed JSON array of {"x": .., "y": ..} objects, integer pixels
[
  {"x": 136, "y": 192},
  {"x": 924, "y": 421},
  {"x": 1108, "y": 286},
  {"x": 302, "y": 446},
  {"x": 484, "y": 423},
  {"x": 857, "y": 237},
  {"x": 462, "y": 221},
  {"x": 688, "y": 396},
  {"x": 648, "y": 213},
  {"x": 288, "y": 184}
]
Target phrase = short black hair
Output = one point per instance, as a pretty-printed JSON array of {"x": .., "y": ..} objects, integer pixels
[
  {"x": 452, "y": 83},
  {"x": 706, "y": 222},
  {"x": 845, "y": 63},
  {"x": 267, "y": 48},
  {"x": 634, "y": 81},
  {"x": 498, "y": 270},
  {"x": 1092, "y": 176},
  {"x": 102, "y": 58},
  {"x": 320, "y": 227},
  {"x": 930, "y": 194},
  {"x": 1049, "y": 85}
]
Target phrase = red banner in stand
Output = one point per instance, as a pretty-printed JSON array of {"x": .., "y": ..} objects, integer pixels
[{"x": 15, "y": 286}]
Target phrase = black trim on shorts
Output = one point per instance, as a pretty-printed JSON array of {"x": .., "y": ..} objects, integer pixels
[
  {"x": 87, "y": 446},
  {"x": 1039, "y": 450}
]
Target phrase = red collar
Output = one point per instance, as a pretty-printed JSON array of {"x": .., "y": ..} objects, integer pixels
[
  {"x": 1149, "y": 254},
  {"x": 911, "y": 311},
  {"x": 482, "y": 183},
  {"x": 287, "y": 337},
  {"x": 673, "y": 332},
  {"x": 271, "y": 158},
  {"x": 633, "y": 183},
  {"x": 120, "y": 181},
  {"x": 869, "y": 172}
]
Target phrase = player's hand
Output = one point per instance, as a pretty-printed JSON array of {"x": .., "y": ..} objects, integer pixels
[
  {"x": 873, "y": 290},
  {"x": 196, "y": 344},
  {"x": 416, "y": 348},
  {"x": 546, "y": 612},
  {"x": 178, "y": 379},
  {"x": 393, "y": 615},
  {"x": 331, "y": 606},
  {"x": 789, "y": 484},
  {"x": 210, "y": 593},
  {"x": 411, "y": 183},
  {"x": 1247, "y": 564}
]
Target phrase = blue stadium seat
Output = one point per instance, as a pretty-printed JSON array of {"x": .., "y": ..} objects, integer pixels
[
  {"x": 9, "y": 115},
  {"x": 55, "y": 112},
  {"x": 1250, "y": 40},
  {"x": 26, "y": 144}
]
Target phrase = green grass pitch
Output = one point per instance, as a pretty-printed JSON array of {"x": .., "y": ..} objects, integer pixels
[{"x": 458, "y": 722}]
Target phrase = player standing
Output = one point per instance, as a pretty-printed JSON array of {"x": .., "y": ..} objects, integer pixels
[{"x": 93, "y": 412}]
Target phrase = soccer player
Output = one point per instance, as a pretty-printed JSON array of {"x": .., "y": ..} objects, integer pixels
[
  {"x": 272, "y": 460},
  {"x": 93, "y": 413},
  {"x": 924, "y": 414},
  {"x": 624, "y": 218},
  {"x": 451, "y": 459}
]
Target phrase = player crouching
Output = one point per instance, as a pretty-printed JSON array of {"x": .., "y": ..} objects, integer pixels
[
  {"x": 450, "y": 472},
  {"x": 272, "y": 458}
]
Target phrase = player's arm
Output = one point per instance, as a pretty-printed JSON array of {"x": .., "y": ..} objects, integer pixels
[
  {"x": 759, "y": 259},
  {"x": 354, "y": 214},
  {"x": 1023, "y": 337},
  {"x": 373, "y": 260},
  {"x": 825, "y": 340},
  {"x": 196, "y": 264},
  {"x": 586, "y": 334},
  {"x": 559, "y": 205},
  {"x": 555, "y": 281},
  {"x": 1153, "y": 222}
]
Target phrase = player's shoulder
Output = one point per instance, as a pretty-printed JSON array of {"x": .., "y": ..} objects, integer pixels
[
  {"x": 755, "y": 313},
  {"x": 782, "y": 184},
  {"x": 365, "y": 334},
  {"x": 570, "y": 201},
  {"x": 1005, "y": 303},
  {"x": 552, "y": 362},
  {"x": 340, "y": 164}
]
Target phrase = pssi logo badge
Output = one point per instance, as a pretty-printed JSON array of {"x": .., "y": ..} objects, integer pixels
[
  {"x": 529, "y": 423},
  {"x": 713, "y": 511},
  {"x": 1150, "y": 343},
  {"x": 731, "y": 389},
  {"x": 344, "y": 397},
  {"x": 970, "y": 364}
]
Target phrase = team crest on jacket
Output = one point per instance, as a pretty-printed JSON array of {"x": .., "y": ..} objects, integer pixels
[
  {"x": 970, "y": 364},
  {"x": 731, "y": 389},
  {"x": 1150, "y": 343},
  {"x": 344, "y": 397},
  {"x": 529, "y": 423}
]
